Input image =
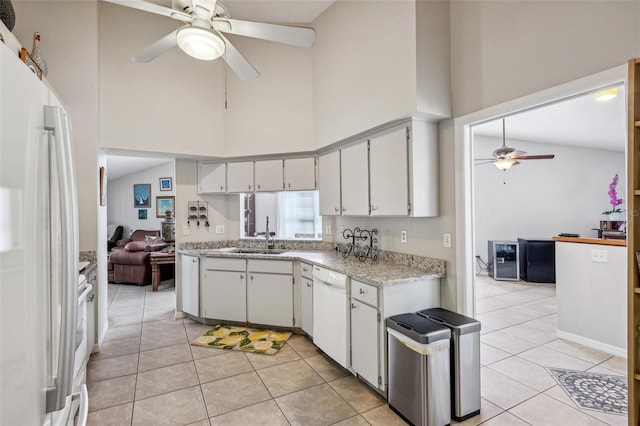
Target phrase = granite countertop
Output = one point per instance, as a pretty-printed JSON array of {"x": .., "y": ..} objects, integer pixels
[{"x": 379, "y": 273}]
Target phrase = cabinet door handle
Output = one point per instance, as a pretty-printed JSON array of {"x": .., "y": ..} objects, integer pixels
[
  {"x": 362, "y": 291},
  {"x": 251, "y": 276},
  {"x": 249, "y": 187},
  {"x": 194, "y": 260},
  {"x": 308, "y": 284},
  {"x": 344, "y": 209},
  {"x": 221, "y": 187},
  {"x": 241, "y": 277},
  {"x": 289, "y": 185},
  {"x": 304, "y": 269},
  {"x": 353, "y": 306},
  {"x": 259, "y": 187},
  {"x": 336, "y": 209}
]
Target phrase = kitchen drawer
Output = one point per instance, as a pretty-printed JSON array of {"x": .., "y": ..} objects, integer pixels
[
  {"x": 364, "y": 292},
  {"x": 270, "y": 266},
  {"x": 306, "y": 270},
  {"x": 222, "y": 264}
]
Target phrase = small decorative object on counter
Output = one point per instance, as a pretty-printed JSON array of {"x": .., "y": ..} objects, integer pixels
[
  {"x": 616, "y": 213},
  {"x": 7, "y": 14},
  {"x": 36, "y": 55},
  {"x": 361, "y": 251},
  {"x": 26, "y": 58}
]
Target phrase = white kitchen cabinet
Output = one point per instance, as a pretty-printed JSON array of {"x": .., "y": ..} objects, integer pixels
[
  {"x": 223, "y": 290},
  {"x": 354, "y": 171},
  {"x": 269, "y": 175},
  {"x": 300, "y": 174},
  {"x": 389, "y": 189},
  {"x": 270, "y": 291},
  {"x": 370, "y": 306},
  {"x": 365, "y": 334},
  {"x": 190, "y": 284},
  {"x": 306, "y": 298},
  {"x": 240, "y": 177},
  {"x": 329, "y": 184},
  {"x": 212, "y": 178}
]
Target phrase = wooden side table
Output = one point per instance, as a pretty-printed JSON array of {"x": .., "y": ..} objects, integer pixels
[{"x": 156, "y": 259}]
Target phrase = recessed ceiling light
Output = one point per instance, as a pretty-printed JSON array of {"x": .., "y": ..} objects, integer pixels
[{"x": 606, "y": 95}]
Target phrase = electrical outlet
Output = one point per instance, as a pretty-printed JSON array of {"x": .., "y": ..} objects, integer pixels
[
  {"x": 599, "y": 256},
  {"x": 403, "y": 236},
  {"x": 446, "y": 241},
  {"x": 219, "y": 229},
  {"x": 327, "y": 229},
  {"x": 186, "y": 230}
]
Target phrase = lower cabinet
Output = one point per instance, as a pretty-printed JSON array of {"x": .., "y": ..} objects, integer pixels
[
  {"x": 224, "y": 291},
  {"x": 270, "y": 292},
  {"x": 306, "y": 305},
  {"x": 190, "y": 284},
  {"x": 365, "y": 333}
]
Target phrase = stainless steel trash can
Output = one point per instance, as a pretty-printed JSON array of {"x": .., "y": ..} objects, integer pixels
[
  {"x": 465, "y": 361},
  {"x": 418, "y": 365}
]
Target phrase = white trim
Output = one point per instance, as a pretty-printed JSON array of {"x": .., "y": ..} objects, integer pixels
[
  {"x": 593, "y": 344},
  {"x": 463, "y": 166}
]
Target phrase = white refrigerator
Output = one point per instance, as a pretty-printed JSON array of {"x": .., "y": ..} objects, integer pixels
[{"x": 38, "y": 254}]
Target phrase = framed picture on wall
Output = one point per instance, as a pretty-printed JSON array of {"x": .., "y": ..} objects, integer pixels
[
  {"x": 142, "y": 213},
  {"x": 166, "y": 184},
  {"x": 163, "y": 204},
  {"x": 142, "y": 195}
]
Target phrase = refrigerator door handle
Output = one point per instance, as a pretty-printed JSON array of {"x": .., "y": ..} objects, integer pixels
[
  {"x": 83, "y": 411},
  {"x": 57, "y": 122}
]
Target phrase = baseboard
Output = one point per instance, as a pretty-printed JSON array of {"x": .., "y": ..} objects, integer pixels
[{"x": 593, "y": 344}]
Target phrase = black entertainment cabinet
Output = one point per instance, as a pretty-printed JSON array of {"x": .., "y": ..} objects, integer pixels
[{"x": 537, "y": 260}]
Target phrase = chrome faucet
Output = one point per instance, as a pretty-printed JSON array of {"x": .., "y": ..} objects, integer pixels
[{"x": 267, "y": 243}]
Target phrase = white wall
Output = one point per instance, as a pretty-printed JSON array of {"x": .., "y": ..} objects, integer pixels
[
  {"x": 364, "y": 67},
  {"x": 121, "y": 210},
  {"x": 69, "y": 45},
  {"x": 503, "y": 50},
  {"x": 542, "y": 198}
]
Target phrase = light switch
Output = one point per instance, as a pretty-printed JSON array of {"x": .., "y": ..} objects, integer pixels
[
  {"x": 403, "y": 236},
  {"x": 219, "y": 229},
  {"x": 599, "y": 256},
  {"x": 446, "y": 240}
]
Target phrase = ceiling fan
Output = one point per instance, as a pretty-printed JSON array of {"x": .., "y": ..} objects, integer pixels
[
  {"x": 201, "y": 35},
  {"x": 505, "y": 157}
]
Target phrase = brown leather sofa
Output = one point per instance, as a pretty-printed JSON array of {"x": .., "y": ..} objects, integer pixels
[
  {"x": 129, "y": 261},
  {"x": 115, "y": 237}
]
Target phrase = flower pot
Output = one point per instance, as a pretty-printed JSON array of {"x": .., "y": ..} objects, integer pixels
[{"x": 617, "y": 217}]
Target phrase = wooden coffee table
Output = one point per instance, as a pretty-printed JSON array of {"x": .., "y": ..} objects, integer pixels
[{"x": 156, "y": 259}]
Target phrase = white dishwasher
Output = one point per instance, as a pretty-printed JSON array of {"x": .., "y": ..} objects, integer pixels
[{"x": 331, "y": 314}]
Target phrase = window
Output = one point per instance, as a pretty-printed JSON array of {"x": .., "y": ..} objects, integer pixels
[{"x": 292, "y": 215}]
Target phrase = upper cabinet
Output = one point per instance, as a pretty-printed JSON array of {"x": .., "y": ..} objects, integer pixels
[
  {"x": 212, "y": 178},
  {"x": 354, "y": 171},
  {"x": 329, "y": 184},
  {"x": 269, "y": 175},
  {"x": 300, "y": 174},
  {"x": 240, "y": 177},
  {"x": 389, "y": 172}
]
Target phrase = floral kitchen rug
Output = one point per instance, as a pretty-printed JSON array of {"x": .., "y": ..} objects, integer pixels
[{"x": 243, "y": 339}]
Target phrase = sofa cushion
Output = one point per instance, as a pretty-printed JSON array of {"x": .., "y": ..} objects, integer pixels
[
  {"x": 155, "y": 245},
  {"x": 121, "y": 257},
  {"x": 135, "y": 246}
]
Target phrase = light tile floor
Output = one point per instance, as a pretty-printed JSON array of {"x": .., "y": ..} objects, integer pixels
[
  {"x": 147, "y": 373},
  {"x": 517, "y": 342}
]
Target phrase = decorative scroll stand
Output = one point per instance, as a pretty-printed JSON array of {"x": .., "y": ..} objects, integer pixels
[{"x": 364, "y": 251}]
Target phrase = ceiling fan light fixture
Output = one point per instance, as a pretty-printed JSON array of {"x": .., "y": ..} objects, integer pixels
[
  {"x": 606, "y": 95},
  {"x": 504, "y": 163},
  {"x": 200, "y": 43}
]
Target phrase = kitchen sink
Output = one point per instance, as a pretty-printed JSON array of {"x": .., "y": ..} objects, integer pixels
[{"x": 258, "y": 251}]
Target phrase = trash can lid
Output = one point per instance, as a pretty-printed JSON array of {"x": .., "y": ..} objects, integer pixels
[
  {"x": 458, "y": 323},
  {"x": 417, "y": 328}
]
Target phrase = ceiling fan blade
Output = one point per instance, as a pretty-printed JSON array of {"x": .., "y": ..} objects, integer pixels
[
  {"x": 157, "y": 48},
  {"x": 154, "y": 8},
  {"x": 517, "y": 153},
  {"x": 487, "y": 161},
  {"x": 535, "y": 157},
  {"x": 243, "y": 69},
  {"x": 484, "y": 159},
  {"x": 295, "y": 36}
]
